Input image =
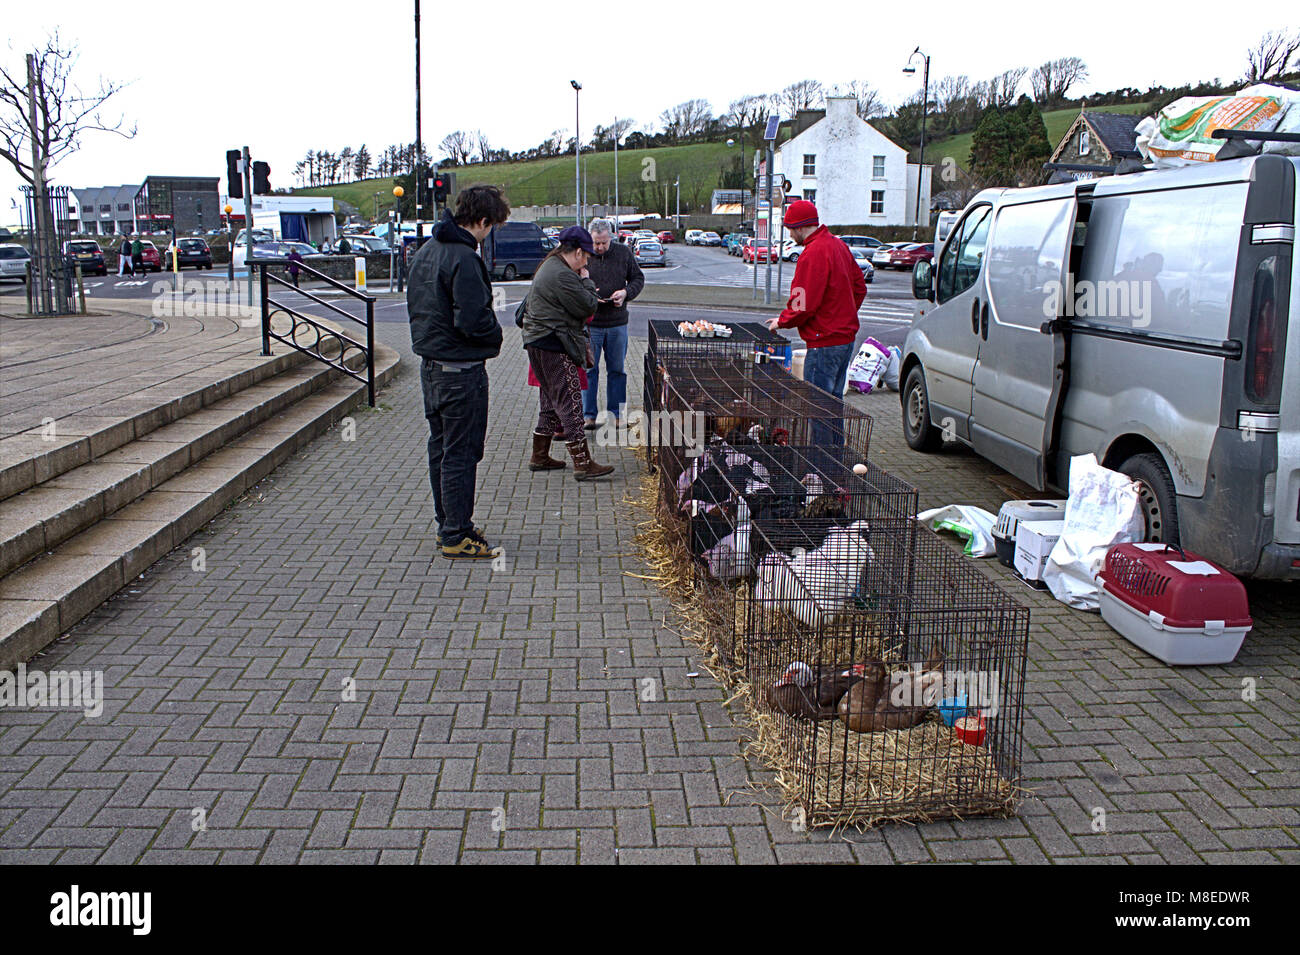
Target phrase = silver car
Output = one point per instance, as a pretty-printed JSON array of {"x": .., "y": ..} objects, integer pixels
[
  {"x": 13, "y": 262},
  {"x": 1142, "y": 318},
  {"x": 650, "y": 253}
]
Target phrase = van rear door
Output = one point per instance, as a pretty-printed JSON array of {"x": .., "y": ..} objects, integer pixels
[{"x": 1019, "y": 373}]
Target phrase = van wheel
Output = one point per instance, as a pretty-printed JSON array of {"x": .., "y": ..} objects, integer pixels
[
  {"x": 509, "y": 273},
  {"x": 921, "y": 435},
  {"x": 1156, "y": 497}
]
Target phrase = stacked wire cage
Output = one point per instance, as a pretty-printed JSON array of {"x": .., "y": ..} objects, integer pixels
[
  {"x": 667, "y": 345},
  {"x": 729, "y": 487},
  {"x": 889, "y": 672},
  {"x": 732, "y": 402}
]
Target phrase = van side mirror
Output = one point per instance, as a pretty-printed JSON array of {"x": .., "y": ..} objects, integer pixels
[{"x": 922, "y": 280}]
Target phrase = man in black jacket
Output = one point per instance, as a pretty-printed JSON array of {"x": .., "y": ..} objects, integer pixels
[
  {"x": 455, "y": 330},
  {"x": 618, "y": 280}
]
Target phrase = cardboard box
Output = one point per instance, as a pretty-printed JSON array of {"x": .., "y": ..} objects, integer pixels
[{"x": 1034, "y": 542}]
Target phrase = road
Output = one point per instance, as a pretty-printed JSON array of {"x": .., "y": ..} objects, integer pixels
[{"x": 885, "y": 315}]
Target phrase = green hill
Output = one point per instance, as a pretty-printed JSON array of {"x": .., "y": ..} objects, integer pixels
[
  {"x": 642, "y": 173},
  {"x": 1057, "y": 122}
]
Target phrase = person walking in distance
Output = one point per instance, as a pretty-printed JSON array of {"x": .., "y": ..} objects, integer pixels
[
  {"x": 618, "y": 280},
  {"x": 555, "y": 315},
  {"x": 454, "y": 330},
  {"x": 825, "y": 294},
  {"x": 294, "y": 258},
  {"x": 124, "y": 266},
  {"x": 137, "y": 256}
]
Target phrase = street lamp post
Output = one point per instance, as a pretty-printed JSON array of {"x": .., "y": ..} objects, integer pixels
[
  {"x": 419, "y": 142},
  {"x": 615, "y": 177},
  {"x": 399, "y": 252},
  {"x": 925, "y": 106},
  {"x": 577, "y": 150}
]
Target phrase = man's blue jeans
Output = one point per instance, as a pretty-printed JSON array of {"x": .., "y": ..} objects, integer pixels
[
  {"x": 828, "y": 369},
  {"x": 613, "y": 343}
]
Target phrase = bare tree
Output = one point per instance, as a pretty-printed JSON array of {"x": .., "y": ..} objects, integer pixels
[
  {"x": 1053, "y": 79},
  {"x": 869, "y": 103},
  {"x": 346, "y": 158},
  {"x": 1003, "y": 88},
  {"x": 458, "y": 146},
  {"x": 63, "y": 110},
  {"x": 1271, "y": 56},
  {"x": 484, "y": 146},
  {"x": 687, "y": 119},
  {"x": 805, "y": 94}
]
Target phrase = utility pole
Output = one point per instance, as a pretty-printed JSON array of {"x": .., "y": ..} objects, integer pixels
[
  {"x": 616, "y": 178},
  {"x": 577, "y": 150},
  {"x": 677, "y": 218},
  {"x": 925, "y": 105},
  {"x": 419, "y": 142}
]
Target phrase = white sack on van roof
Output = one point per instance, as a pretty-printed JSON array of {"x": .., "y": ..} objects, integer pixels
[
  {"x": 1180, "y": 133},
  {"x": 1288, "y": 122}
]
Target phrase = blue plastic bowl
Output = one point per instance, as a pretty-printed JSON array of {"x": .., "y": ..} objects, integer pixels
[{"x": 952, "y": 709}]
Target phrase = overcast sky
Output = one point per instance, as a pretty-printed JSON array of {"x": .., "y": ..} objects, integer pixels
[{"x": 299, "y": 76}]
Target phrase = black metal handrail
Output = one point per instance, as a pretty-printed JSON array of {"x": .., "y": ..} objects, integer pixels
[{"x": 323, "y": 333}]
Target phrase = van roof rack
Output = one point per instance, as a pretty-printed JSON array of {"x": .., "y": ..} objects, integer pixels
[{"x": 1246, "y": 142}]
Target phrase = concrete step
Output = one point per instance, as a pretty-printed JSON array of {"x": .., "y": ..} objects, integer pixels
[
  {"x": 42, "y": 517},
  {"x": 35, "y": 456},
  {"x": 48, "y": 595}
]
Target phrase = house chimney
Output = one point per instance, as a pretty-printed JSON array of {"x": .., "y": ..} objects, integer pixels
[{"x": 841, "y": 106}]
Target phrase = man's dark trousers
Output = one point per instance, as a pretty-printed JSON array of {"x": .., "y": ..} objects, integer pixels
[{"x": 456, "y": 406}]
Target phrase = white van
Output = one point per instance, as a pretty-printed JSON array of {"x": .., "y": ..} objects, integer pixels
[{"x": 1142, "y": 318}]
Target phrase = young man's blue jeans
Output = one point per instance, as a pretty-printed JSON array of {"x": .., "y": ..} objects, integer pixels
[
  {"x": 828, "y": 369},
  {"x": 456, "y": 407},
  {"x": 613, "y": 343}
]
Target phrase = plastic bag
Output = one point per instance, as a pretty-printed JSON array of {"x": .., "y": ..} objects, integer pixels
[
  {"x": 1288, "y": 122},
  {"x": 974, "y": 524},
  {"x": 1103, "y": 510},
  {"x": 890, "y": 380},
  {"x": 868, "y": 366},
  {"x": 1180, "y": 133}
]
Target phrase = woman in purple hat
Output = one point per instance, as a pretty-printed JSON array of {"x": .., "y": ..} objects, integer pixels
[{"x": 561, "y": 301}]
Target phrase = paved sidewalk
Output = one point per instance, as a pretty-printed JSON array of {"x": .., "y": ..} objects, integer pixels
[{"x": 328, "y": 690}]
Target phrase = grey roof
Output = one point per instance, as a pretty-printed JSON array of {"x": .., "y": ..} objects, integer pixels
[{"x": 1117, "y": 131}]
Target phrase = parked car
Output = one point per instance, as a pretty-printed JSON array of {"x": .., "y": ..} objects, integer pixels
[
  {"x": 150, "y": 256},
  {"x": 1173, "y": 371},
  {"x": 368, "y": 244},
  {"x": 193, "y": 252},
  {"x": 756, "y": 250},
  {"x": 259, "y": 235},
  {"x": 88, "y": 254},
  {"x": 692, "y": 236},
  {"x": 666, "y": 237},
  {"x": 13, "y": 262},
  {"x": 711, "y": 239},
  {"x": 862, "y": 256},
  {"x": 871, "y": 243},
  {"x": 880, "y": 257},
  {"x": 274, "y": 252},
  {"x": 624, "y": 236},
  {"x": 906, "y": 257},
  {"x": 650, "y": 253},
  {"x": 735, "y": 242}
]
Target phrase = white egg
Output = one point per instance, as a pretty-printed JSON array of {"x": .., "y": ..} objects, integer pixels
[{"x": 859, "y": 469}]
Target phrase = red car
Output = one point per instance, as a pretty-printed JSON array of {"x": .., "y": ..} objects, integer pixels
[
  {"x": 667, "y": 237},
  {"x": 756, "y": 250},
  {"x": 151, "y": 256},
  {"x": 909, "y": 255}
]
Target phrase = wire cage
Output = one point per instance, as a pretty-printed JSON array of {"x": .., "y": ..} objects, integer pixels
[
  {"x": 738, "y": 403},
  {"x": 889, "y": 672},
  {"x": 748, "y": 341}
]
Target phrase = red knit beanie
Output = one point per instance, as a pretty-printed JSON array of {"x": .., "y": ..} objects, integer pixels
[{"x": 800, "y": 213}]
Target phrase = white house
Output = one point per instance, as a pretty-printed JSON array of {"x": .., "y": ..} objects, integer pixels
[{"x": 854, "y": 173}]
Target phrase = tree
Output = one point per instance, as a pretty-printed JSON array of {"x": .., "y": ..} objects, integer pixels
[
  {"x": 361, "y": 163},
  {"x": 484, "y": 146},
  {"x": 805, "y": 94},
  {"x": 1051, "y": 80},
  {"x": 1270, "y": 58},
  {"x": 64, "y": 111},
  {"x": 687, "y": 120},
  {"x": 346, "y": 159},
  {"x": 869, "y": 103},
  {"x": 1002, "y": 89},
  {"x": 1010, "y": 145},
  {"x": 458, "y": 146}
]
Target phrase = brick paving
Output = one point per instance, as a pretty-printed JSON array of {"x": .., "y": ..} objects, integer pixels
[{"x": 328, "y": 691}]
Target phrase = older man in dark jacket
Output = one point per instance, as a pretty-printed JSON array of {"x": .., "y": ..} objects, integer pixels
[
  {"x": 618, "y": 280},
  {"x": 454, "y": 330}
]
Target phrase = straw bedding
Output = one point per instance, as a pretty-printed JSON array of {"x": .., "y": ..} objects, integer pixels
[{"x": 862, "y": 779}]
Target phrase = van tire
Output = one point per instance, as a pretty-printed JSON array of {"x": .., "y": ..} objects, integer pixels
[
  {"x": 509, "y": 273},
  {"x": 1156, "y": 496},
  {"x": 920, "y": 433}
]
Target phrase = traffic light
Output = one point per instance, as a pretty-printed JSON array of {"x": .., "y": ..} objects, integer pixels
[
  {"x": 441, "y": 188},
  {"x": 234, "y": 180},
  {"x": 261, "y": 179}
]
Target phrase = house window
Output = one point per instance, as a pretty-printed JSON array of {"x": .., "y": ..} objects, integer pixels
[
  {"x": 106, "y": 207},
  {"x": 1085, "y": 144},
  {"x": 877, "y": 167},
  {"x": 810, "y": 195},
  {"x": 877, "y": 202},
  {"x": 123, "y": 207},
  {"x": 809, "y": 164}
]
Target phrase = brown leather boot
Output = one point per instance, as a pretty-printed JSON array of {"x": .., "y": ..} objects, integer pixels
[
  {"x": 584, "y": 466},
  {"x": 541, "y": 459}
]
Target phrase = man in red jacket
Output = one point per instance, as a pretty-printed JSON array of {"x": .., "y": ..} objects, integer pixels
[{"x": 825, "y": 295}]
